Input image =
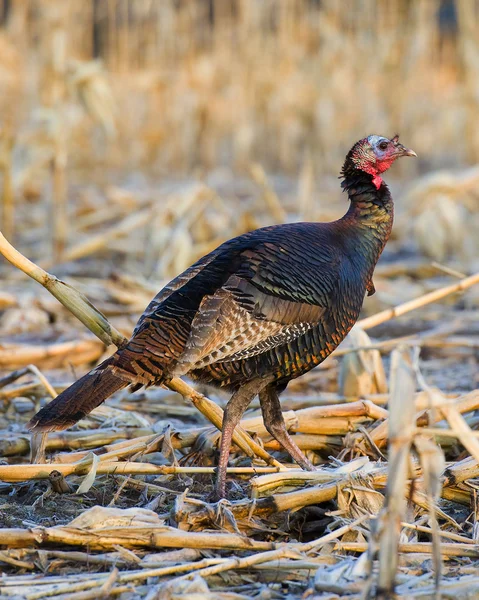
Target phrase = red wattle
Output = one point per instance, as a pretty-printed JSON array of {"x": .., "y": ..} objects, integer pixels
[
  {"x": 383, "y": 165},
  {"x": 377, "y": 181}
]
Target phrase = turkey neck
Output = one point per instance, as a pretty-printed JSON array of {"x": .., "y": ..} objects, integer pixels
[{"x": 369, "y": 219}]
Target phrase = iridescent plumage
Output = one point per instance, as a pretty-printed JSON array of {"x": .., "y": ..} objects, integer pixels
[{"x": 260, "y": 310}]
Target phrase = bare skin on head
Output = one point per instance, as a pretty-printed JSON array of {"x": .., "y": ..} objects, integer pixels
[
  {"x": 260, "y": 310},
  {"x": 375, "y": 154}
]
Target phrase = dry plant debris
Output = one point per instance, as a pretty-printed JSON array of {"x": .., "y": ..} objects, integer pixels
[
  {"x": 364, "y": 503},
  {"x": 118, "y": 506}
]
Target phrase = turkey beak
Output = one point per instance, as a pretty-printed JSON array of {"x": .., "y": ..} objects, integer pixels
[{"x": 403, "y": 151}]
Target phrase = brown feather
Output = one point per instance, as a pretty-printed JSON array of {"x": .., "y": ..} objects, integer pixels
[
  {"x": 239, "y": 321},
  {"x": 78, "y": 400}
]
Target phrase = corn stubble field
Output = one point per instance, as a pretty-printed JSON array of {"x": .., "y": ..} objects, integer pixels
[{"x": 137, "y": 136}]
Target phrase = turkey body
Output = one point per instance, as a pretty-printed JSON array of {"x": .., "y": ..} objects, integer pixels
[
  {"x": 287, "y": 295},
  {"x": 261, "y": 309}
]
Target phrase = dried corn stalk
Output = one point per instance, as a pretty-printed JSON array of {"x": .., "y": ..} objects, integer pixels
[
  {"x": 88, "y": 80},
  {"x": 361, "y": 372},
  {"x": 401, "y": 432}
]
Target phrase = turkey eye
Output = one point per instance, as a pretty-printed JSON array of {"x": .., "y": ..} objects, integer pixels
[{"x": 383, "y": 145}]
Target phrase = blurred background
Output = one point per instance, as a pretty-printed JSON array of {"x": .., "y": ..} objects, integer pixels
[{"x": 137, "y": 135}]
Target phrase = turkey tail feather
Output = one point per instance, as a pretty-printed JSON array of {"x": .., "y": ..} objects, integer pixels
[{"x": 78, "y": 400}]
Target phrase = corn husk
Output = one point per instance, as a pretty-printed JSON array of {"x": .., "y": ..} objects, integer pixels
[{"x": 361, "y": 372}]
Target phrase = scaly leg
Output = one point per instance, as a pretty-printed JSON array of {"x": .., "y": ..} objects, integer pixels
[
  {"x": 232, "y": 415},
  {"x": 275, "y": 425}
]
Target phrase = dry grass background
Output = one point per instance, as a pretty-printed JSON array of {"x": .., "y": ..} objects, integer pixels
[{"x": 134, "y": 137}]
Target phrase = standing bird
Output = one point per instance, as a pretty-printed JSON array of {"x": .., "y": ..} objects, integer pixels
[{"x": 260, "y": 310}]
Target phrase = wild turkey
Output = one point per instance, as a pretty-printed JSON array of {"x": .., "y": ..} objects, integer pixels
[{"x": 260, "y": 310}]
